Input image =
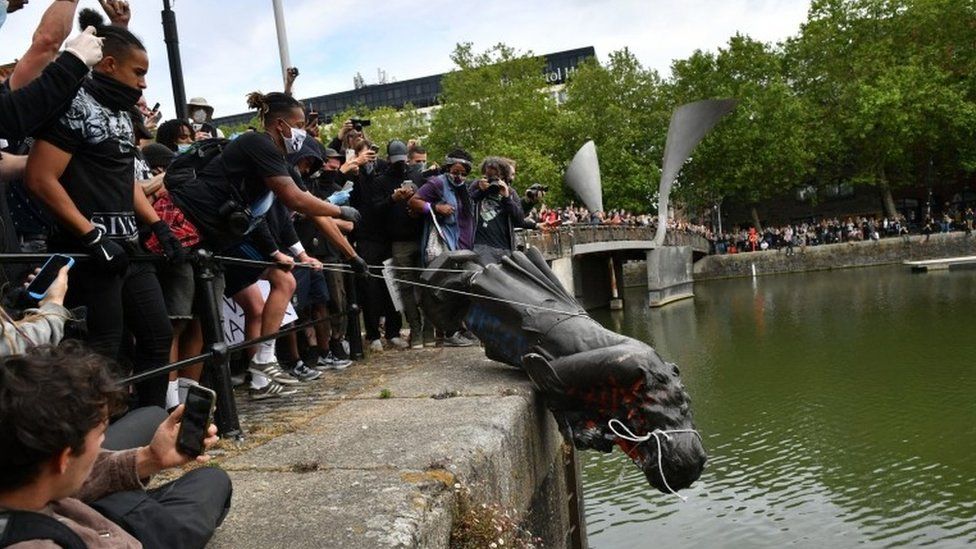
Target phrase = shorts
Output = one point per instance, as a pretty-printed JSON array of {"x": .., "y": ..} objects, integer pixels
[
  {"x": 238, "y": 277},
  {"x": 179, "y": 286},
  {"x": 311, "y": 288}
]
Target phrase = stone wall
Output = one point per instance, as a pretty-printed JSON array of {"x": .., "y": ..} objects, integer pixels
[{"x": 837, "y": 256}]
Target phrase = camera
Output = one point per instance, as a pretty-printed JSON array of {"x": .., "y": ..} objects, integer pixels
[
  {"x": 494, "y": 185},
  {"x": 535, "y": 190},
  {"x": 359, "y": 123},
  {"x": 237, "y": 218}
]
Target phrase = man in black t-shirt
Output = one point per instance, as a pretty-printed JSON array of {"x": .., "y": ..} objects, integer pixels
[
  {"x": 82, "y": 169},
  {"x": 228, "y": 201}
]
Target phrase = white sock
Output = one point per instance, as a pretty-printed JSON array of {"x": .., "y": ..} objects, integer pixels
[
  {"x": 259, "y": 381},
  {"x": 266, "y": 353},
  {"x": 172, "y": 394},
  {"x": 183, "y": 384}
]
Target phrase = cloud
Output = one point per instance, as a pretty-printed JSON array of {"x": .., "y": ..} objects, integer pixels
[{"x": 230, "y": 48}]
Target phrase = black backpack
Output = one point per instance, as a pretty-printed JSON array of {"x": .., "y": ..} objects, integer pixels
[
  {"x": 183, "y": 169},
  {"x": 19, "y": 526}
]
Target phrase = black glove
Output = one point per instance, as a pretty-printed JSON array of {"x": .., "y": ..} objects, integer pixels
[
  {"x": 350, "y": 214},
  {"x": 358, "y": 265},
  {"x": 172, "y": 248},
  {"x": 110, "y": 257}
]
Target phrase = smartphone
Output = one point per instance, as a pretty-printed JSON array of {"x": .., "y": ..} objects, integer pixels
[
  {"x": 313, "y": 118},
  {"x": 197, "y": 417},
  {"x": 350, "y": 155},
  {"x": 155, "y": 108},
  {"x": 38, "y": 287}
]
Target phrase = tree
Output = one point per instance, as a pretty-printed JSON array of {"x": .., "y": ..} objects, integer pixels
[
  {"x": 496, "y": 103},
  {"x": 622, "y": 108},
  {"x": 892, "y": 82},
  {"x": 763, "y": 148}
]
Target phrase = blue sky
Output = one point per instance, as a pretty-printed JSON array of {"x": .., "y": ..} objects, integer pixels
[{"x": 229, "y": 47}]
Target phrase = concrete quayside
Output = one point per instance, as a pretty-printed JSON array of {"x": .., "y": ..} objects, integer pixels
[{"x": 398, "y": 452}]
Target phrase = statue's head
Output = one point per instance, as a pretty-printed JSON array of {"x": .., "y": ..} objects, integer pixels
[{"x": 632, "y": 384}]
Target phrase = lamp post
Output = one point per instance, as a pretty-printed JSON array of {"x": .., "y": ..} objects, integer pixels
[
  {"x": 175, "y": 65},
  {"x": 283, "y": 54}
]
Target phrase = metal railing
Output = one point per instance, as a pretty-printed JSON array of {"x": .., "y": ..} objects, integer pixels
[{"x": 559, "y": 242}]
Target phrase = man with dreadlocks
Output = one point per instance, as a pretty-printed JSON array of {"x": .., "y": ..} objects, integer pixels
[
  {"x": 82, "y": 169},
  {"x": 228, "y": 201}
]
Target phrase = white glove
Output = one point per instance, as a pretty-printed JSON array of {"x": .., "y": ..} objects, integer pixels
[{"x": 86, "y": 46}]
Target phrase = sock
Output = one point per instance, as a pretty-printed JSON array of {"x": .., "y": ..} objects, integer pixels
[
  {"x": 183, "y": 386},
  {"x": 265, "y": 354},
  {"x": 259, "y": 381},
  {"x": 172, "y": 394}
]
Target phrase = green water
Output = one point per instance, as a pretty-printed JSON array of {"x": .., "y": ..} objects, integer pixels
[{"x": 838, "y": 409}]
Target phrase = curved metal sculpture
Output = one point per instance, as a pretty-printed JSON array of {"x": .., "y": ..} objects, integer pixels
[
  {"x": 587, "y": 374},
  {"x": 583, "y": 177},
  {"x": 689, "y": 124}
]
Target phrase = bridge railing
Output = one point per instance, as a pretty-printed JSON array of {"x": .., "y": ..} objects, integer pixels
[{"x": 559, "y": 242}]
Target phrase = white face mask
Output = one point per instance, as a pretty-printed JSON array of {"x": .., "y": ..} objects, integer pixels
[
  {"x": 294, "y": 143},
  {"x": 199, "y": 116},
  {"x": 183, "y": 147}
]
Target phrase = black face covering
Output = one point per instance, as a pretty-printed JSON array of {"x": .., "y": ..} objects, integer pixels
[
  {"x": 112, "y": 93},
  {"x": 329, "y": 177}
]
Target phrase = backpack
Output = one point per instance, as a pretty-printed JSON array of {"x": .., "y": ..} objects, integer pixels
[
  {"x": 183, "y": 169},
  {"x": 19, "y": 526}
]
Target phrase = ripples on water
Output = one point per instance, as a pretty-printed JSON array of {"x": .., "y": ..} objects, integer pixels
[{"x": 838, "y": 409}]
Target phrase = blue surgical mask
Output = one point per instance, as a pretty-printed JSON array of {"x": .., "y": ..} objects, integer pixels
[
  {"x": 183, "y": 147},
  {"x": 3, "y": 11}
]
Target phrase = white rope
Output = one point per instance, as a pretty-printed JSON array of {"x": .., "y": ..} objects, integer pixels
[{"x": 656, "y": 434}]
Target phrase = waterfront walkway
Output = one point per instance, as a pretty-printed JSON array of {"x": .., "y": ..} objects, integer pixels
[{"x": 372, "y": 456}]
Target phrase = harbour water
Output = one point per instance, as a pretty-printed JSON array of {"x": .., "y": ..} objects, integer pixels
[{"x": 838, "y": 409}]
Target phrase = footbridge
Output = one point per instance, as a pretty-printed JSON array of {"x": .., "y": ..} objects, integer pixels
[{"x": 588, "y": 259}]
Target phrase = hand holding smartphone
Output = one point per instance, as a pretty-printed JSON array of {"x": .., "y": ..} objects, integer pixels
[
  {"x": 40, "y": 285},
  {"x": 197, "y": 416}
]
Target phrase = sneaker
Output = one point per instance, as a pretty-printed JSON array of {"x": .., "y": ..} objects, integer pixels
[
  {"x": 271, "y": 390},
  {"x": 304, "y": 373},
  {"x": 331, "y": 362},
  {"x": 273, "y": 372},
  {"x": 376, "y": 345},
  {"x": 457, "y": 340},
  {"x": 398, "y": 343}
]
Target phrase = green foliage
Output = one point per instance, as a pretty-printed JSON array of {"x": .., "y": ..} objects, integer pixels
[
  {"x": 241, "y": 128},
  {"x": 622, "y": 108},
  {"x": 763, "y": 147},
  {"x": 496, "y": 103}
]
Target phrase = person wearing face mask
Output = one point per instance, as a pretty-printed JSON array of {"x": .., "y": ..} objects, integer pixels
[
  {"x": 447, "y": 196},
  {"x": 228, "y": 200},
  {"x": 447, "y": 200},
  {"x": 201, "y": 119},
  {"x": 176, "y": 135},
  {"x": 82, "y": 169}
]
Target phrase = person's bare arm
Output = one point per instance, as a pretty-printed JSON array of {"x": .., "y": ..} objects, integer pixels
[
  {"x": 45, "y": 165},
  {"x": 54, "y": 28},
  {"x": 118, "y": 12},
  {"x": 330, "y": 230},
  {"x": 151, "y": 186},
  {"x": 298, "y": 200},
  {"x": 12, "y": 167},
  {"x": 142, "y": 207}
]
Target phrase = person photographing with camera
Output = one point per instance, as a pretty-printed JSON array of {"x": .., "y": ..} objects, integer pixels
[{"x": 497, "y": 210}]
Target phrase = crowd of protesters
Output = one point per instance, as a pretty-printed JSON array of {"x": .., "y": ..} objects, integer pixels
[{"x": 835, "y": 231}]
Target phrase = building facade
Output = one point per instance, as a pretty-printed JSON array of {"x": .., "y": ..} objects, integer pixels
[{"x": 422, "y": 93}]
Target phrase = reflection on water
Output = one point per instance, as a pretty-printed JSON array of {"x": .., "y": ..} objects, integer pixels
[{"x": 838, "y": 408}]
